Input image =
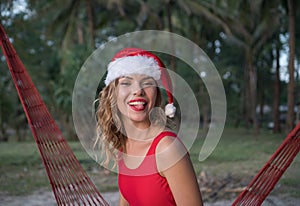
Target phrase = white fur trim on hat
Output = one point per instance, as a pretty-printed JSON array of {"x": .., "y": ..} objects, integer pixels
[{"x": 132, "y": 65}]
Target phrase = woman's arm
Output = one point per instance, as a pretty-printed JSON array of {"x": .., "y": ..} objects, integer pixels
[
  {"x": 122, "y": 201},
  {"x": 174, "y": 163}
]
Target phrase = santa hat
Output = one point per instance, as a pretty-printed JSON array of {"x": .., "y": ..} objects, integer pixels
[{"x": 138, "y": 61}]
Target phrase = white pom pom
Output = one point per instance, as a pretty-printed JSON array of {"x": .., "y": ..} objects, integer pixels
[{"x": 170, "y": 110}]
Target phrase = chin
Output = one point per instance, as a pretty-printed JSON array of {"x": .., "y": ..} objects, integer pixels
[{"x": 140, "y": 119}]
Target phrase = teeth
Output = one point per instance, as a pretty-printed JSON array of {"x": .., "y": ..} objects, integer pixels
[{"x": 136, "y": 103}]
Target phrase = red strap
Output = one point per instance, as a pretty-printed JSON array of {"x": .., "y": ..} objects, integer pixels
[{"x": 157, "y": 140}]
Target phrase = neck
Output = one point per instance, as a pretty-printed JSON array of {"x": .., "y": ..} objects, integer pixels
[{"x": 138, "y": 132}]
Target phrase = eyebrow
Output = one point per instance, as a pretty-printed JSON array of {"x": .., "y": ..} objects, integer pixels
[
  {"x": 126, "y": 77},
  {"x": 145, "y": 78}
]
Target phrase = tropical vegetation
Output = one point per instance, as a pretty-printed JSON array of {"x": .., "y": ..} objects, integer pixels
[{"x": 253, "y": 43}]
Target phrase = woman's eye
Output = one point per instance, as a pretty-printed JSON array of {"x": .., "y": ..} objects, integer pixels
[
  {"x": 148, "y": 84},
  {"x": 125, "y": 83}
]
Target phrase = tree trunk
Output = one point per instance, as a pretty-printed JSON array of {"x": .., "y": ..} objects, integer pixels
[
  {"x": 204, "y": 108},
  {"x": 170, "y": 27},
  {"x": 261, "y": 102},
  {"x": 90, "y": 23},
  {"x": 276, "y": 117},
  {"x": 205, "y": 116},
  {"x": 3, "y": 134},
  {"x": 291, "y": 85},
  {"x": 246, "y": 98},
  {"x": 251, "y": 69},
  {"x": 79, "y": 33}
]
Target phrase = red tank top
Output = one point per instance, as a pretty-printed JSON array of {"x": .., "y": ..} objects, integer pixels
[{"x": 144, "y": 186}]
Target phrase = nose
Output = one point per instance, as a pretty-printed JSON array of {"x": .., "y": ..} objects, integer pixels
[{"x": 138, "y": 90}]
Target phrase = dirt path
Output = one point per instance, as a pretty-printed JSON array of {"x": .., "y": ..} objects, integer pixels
[{"x": 46, "y": 198}]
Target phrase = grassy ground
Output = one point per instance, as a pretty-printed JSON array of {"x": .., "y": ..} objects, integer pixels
[
  {"x": 237, "y": 158},
  {"x": 240, "y": 155}
]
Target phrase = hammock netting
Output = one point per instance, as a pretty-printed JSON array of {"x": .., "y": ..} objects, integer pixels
[
  {"x": 69, "y": 181},
  {"x": 265, "y": 180}
]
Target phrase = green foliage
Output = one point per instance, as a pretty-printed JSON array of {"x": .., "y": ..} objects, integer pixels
[{"x": 53, "y": 39}]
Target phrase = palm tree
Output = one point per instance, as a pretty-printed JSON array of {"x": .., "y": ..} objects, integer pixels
[
  {"x": 276, "y": 119},
  {"x": 248, "y": 25},
  {"x": 291, "y": 66},
  {"x": 60, "y": 20}
]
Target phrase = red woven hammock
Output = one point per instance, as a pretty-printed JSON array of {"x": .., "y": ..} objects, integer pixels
[
  {"x": 265, "y": 180},
  {"x": 70, "y": 183}
]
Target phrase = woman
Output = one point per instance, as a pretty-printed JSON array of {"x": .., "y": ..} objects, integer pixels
[{"x": 154, "y": 166}]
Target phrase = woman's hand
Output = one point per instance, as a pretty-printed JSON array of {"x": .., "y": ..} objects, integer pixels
[{"x": 122, "y": 201}]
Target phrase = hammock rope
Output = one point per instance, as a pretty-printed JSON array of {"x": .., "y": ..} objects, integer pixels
[
  {"x": 265, "y": 180},
  {"x": 70, "y": 183}
]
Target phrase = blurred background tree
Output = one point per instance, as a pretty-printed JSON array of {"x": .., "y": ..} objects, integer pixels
[{"x": 254, "y": 45}]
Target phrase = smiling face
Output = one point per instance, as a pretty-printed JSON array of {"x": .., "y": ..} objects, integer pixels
[{"x": 136, "y": 97}]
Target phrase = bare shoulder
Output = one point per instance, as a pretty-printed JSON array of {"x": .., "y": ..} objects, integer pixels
[
  {"x": 169, "y": 151},
  {"x": 170, "y": 144}
]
